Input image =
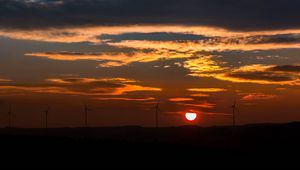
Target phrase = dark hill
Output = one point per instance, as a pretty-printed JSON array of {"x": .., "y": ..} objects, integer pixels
[{"x": 268, "y": 145}]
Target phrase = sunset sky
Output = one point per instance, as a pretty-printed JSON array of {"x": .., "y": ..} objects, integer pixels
[{"x": 121, "y": 57}]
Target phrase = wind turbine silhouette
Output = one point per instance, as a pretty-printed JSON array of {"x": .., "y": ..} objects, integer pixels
[
  {"x": 235, "y": 109},
  {"x": 46, "y": 112},
  {"x": 86, "y": 110},
  {"x": 156, "y": 114}
]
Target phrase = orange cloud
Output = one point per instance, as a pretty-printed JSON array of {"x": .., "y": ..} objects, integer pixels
[
  {"x": 108, "y": 59},
  {"x": 205, "y": 105},
  {"x": 180, "y": 99},
  {"x": 91, "y": 34},
  {"x": 202, "y": 45},
  {"x": 260, "y": 74},
  {"x": 199, "y": 95},
  {"x": 126, "y": 99},
  {"x": 53, "y": 90},
  {"x": 81, "y": 86},
  {"x": 79, "y": 80},
  {"x": 207, "y": 90},
  {"x": 258, "y": 96},
  {"x": 203, "y": 66},
  {"x": 128, "y": 88}
]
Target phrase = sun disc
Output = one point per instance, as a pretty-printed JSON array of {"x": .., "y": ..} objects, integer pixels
[{"x": 190, "y": 116}]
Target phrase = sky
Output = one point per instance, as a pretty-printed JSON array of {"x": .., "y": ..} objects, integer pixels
[{"x": 121, "y": 57}]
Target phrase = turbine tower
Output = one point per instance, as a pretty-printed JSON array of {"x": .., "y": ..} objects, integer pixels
[
  {"x": 234, "y": 110},
  {"x": 86, "y": 110},
  {"x": 156, "y": 114},
  {"x": 10, "y": 117},
  {"x": 46, "y": 112}
]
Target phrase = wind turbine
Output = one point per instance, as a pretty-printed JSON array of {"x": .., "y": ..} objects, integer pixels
[
  {"x": 156, "y": 114},
  {"x": 46, "y": 112},
  {"x": 234, "y": 110},
  {"x": 86, "y": 110}
]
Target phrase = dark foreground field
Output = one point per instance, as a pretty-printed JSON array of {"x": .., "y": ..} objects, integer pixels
[{"x": 264, "y": 145}]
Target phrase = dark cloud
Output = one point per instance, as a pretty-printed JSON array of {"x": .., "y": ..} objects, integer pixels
[
  {"x": 70, "y": 82},
  {"x": 286, "y": 68},
  {"x": 278, "y": 38},
  {"x": 265, "y": 76},
  {"x": 78, "y": 86},
  {"x": 154, "y": 36},
  {"x": 292, "y": 38},
  {"x": 231, "y": 14},
  {"x": 91, "y": 82}
]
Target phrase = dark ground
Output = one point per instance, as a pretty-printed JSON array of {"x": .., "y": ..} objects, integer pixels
[{"x": 264, "y": 145}]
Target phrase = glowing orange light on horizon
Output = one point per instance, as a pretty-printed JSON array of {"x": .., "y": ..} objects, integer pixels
[{"x": 191, "y": 116}]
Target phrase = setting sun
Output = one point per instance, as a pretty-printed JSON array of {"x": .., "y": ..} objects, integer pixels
[{"x": 190, "y": 116}]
